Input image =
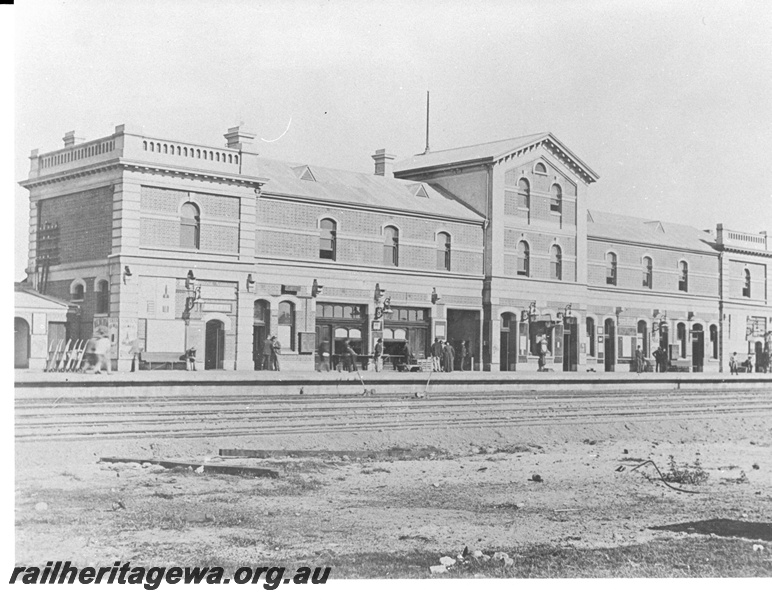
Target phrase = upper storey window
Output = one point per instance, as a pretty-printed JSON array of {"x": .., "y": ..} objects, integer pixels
[
  {"x": 611, "y": 268},
  {"x": 540, "y": 169},
  {"x": 443, "y": 251},
  {"x": 391, "y": 246},
  {"x": 523, "y": 259},
  {"x": 328, "y": 239},
  {"x": 648, "y": 272},
  {"x": 102, "y": 297},
  {"x": 190, "y": 226},
  {"x": 524, "y": 195},
  {"x": 683, "y": 276},
  {"x": 556, "y": 263},
  {"x": 747, "y": 284},
  {"x": 556, "y": 199},
  {"x": 78, "y": 292}
]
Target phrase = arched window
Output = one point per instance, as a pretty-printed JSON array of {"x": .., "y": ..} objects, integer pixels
[
  {"x": 391, "y": 246},
  {"x": 556, "y": 199},
  {"x": 102, "y": 297},
  {"x": 286, "y": 333},
  {"x": 443, "y": 251},
  {"x": 524, "y": 196},
  {"x": 190, "y": 226},
  {"x": 78, "y": 292},
  {"x": 590, "y": 330},
  {"x": 611, "y": 268},
  {"x": 683, "y": 276},
  {"x": 556, "y": 263},
  {"x": 648, "y": 272},
  {"x": 714, "y": 341},
  {"x": 523, "y": 259},
  {"x": 643, "y": 337},
  {"x": 328, "y": 231},
  {"x": 540, "y": 168},
  {"x": 747, "y": 284},
  {"x": 681, "y": 336}
]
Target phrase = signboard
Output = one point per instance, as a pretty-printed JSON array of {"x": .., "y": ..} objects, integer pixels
[
  {"x": 755, "y": 327},
  {"x": 377, "y": 325},
  {"x": 306, "y": 343}
]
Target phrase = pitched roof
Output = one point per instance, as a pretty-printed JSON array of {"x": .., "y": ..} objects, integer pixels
[
  {"x": 645, "y": 231},
  {"x": 348, "y": 187},
  {"x": 488, "y": 151},
  {"x": 24, "y": 295}
]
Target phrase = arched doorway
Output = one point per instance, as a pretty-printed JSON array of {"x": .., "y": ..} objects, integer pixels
[
  {"x": 21, "y": 343},
  {"x": 261, "y": 330},
  {"x": 759, "y": 348},
  {"x": 609, "y": 350},
  {"x": 508, "y": 346},
  {"x": 215, "y": 345},
  {"x": 698, "y": 348}
]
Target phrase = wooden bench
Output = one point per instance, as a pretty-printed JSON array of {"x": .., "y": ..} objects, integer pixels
[{"x": 151, "y": 361}]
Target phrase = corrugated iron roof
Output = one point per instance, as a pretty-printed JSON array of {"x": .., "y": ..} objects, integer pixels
[
  {"x": 646, "y": 231},
  {"x": 349, "y": 187},
  {"x": 485, "y": 151}
]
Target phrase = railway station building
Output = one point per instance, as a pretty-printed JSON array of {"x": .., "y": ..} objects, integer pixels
[{"x": 172, "y": 245}]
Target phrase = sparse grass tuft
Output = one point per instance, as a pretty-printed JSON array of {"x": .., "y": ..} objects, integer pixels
[{"x": 692, "y": 474}]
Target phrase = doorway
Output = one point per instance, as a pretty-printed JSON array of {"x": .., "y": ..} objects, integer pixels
[
  {"x": 609, "y": 350},
  {"x": 215, "y": 345},
  {"x": 759, "y": 350},
  {"x": 261, "y": 329},
  {"x": 507, "y": 344},
  {"x": 570, "y": 345},
  {"x": 21, "y": 343},
  {"x": 698, "y": 348}
]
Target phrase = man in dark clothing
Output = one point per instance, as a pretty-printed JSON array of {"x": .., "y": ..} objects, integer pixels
[
  {"x": 448, "y": 357},
  {"x": 349, "y": 357},
  {"x": 275, "y": 353},
  {"x": 378, "y": 355},
  {"x": 638, "y": 360},
  {"x": 437, "y": 354},
  {"x": 462, "y": 351},
  {"x": 267, "y": 353}
]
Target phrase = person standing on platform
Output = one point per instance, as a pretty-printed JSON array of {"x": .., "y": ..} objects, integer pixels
[
  {"x": 437, "y": 354},
  {"x": 378, "y": 355},
  {"x": 102, "y": 350},
  {"x": 349, "y": 357},
  {"x": 267, "y": 363},
  {"x": 190, "y": 358},
  {"x": 733, "y": 364},
  {"x": 463, "y": 351},
  {"x": 275, "y": 353},
  {"x": 448, "y": 357},
  {"x": 638, "y": 360},
  {"x": 324, "y": 356}
]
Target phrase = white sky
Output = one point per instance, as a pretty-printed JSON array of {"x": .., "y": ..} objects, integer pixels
[{"x": 668, "y": 101}]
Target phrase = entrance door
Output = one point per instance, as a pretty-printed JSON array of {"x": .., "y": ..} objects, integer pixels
[
  {"x": 258, "y": 340},
  {"x": 215, "y": 345},
  {"x": 570, "y": 358},
  {"x": 507, "y": 345},
  {"x": 21, "y": 343},
  {"x": 759, "y": 348},
  {"x": 698, "y": 348},
  {"x": 609, "y": 350}
]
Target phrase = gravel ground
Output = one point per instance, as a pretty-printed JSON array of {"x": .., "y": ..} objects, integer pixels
[{"x": 477, "y": 489}]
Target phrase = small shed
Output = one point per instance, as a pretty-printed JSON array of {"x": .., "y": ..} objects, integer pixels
[{"x": 40, "y": 322}]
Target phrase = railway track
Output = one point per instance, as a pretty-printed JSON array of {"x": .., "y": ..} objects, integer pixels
[{"x": 134, "y": 418}]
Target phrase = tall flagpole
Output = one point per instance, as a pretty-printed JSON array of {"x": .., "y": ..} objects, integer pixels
[{"x": 426, "y": 151}]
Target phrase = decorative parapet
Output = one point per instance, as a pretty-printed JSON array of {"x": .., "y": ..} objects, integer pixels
[
  {"x": 124, "y": 145},
  {"x": 727, "y": 238}
]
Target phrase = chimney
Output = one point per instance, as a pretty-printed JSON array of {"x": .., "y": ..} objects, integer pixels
[
  {"x": 70, "y": 140},
  {"x": 383, "y": 163},
  {"x": 237, "y": 138}
]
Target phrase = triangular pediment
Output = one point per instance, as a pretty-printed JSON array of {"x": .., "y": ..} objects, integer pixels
[
  {"x": 418, "y": 190},
  {"x": 305, "y": 173}
]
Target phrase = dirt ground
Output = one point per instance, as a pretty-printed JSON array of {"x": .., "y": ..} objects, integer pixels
[{"x": 476, "y": 489}]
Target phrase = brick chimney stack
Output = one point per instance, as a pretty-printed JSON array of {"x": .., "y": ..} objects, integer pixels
[
  {"x": 383, "y": 163},
  {"x": 238, "y": 138},
  {"x": 70, "y": 140}
]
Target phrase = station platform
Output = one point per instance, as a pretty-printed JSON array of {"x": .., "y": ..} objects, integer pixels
[{"x": 167, "y": 384}]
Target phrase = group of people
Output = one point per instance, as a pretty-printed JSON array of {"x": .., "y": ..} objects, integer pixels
[
  {"x": 444, "y": 356},
  {"x": 271, "y": 352},
  {"x": 747, "y": 366}
]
